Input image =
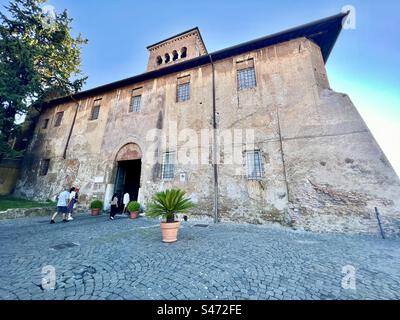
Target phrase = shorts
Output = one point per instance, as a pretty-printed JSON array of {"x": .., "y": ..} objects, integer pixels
[{"x": 62, "y": 209}]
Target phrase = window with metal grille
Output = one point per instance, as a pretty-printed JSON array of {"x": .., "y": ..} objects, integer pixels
[
  {"x": 95, "y": 110},
  {"x": 95, "y": 113},
  {"x": 45, "y": 123},
  {"x": 246, "y": 78},
  {"x": 183, "y": 93},
  {"x": 44, "y": 167},
  {"x": 168, "y": 166},
  {"x": 254, "y": 165},
  {"x": 135, "y": 104},
  {"x": 59, "y": 116}
]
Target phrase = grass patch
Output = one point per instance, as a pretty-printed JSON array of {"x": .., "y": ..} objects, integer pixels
[{"x": 8, "y": 202}]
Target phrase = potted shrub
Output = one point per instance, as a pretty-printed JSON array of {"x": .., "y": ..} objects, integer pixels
[
  {"x": 96, "y": 206},
  {"x": 167, "y": 204},
  {"x": 133, "y": 208}
]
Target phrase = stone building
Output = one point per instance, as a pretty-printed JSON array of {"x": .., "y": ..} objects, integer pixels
[{"x": 311, "y": 161}]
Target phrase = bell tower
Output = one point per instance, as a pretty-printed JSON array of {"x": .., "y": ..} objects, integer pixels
[{"x": 181, "y": 47}]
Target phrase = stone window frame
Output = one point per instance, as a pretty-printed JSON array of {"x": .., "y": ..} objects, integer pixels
[
  {"x": 46, "y": 123},
  {"x": 246, "y": 77},
  {"x": 59, "y": 117},
  {"x": 183, "y": 89},
  {"x": 168, "y": 166},
  {"x": 44, "y": 167},
  {"x": 255, "y": 168},
  {"x": 95, "y": 111},
  {"x": 136, "y": 93}
]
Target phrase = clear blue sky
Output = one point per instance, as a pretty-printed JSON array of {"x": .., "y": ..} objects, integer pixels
[{"x": 365, "y": 62}]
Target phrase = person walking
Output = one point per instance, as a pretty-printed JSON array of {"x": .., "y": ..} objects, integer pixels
[
  {"x": 126, "y": 200},
  {"x": 71, "y": 203},
  {"x": 114, "y": 206},
  {"x": 62, "y": 202}
]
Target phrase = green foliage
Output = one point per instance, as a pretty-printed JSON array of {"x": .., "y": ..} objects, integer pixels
[
  {"x": 133, "y": 206},
  {"x": 9, "y": 202},
  {"x": 96, "y": 204},
  {"x": 168, "y": 203},
  {"x": 38, "y": 62}
]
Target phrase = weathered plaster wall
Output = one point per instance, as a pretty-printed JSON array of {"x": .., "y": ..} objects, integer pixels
[{"x": 329, "y": 176}]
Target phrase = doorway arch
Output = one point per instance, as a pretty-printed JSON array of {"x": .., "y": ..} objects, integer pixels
[{"x": 128, "y": 162}]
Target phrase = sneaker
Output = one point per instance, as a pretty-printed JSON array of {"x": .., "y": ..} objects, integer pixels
[
  {"x": 52, "y": 221},
  {"x": 65, "y": 220},
  {"x": 70, "y": 218},
  {"x": 111, "y": 218}
]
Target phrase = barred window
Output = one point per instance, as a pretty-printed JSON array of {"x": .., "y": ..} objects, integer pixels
[
  {"x": 135, "y": 104},
  {"x": 95, "y": 113},
  {"x": 254, "y": 165},
  {"x": 45, "y": 123},
  {"x": 59, "y": 116},
  {"x": 95, "y": 110},
  {"x": 183, "y": 93},
  {"x": 168, "y": 166},
  {"x": 246, "y": 78},
  {"x": 44, "y": 167}
]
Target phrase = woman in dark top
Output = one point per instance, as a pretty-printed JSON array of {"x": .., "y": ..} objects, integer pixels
[{"x": 114, "y": 206}]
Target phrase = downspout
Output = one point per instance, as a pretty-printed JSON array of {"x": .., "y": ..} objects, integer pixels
[
  {"x": 72, "y": 127},
  {"x": 215, "y": 166},
  {"x": 282, "y": 155}
]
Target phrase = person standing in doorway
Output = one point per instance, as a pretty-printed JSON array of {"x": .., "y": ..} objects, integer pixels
[
  {"x": 114, "y": 206},
  {"x": 71, "y": 203},
  {"x": 62, "y": 207},
  {"x": 126, "y": 201}
]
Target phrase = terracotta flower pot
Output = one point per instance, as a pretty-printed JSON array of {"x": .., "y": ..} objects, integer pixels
[
  {"x": 170, "y": 231},
  {"x": 95, "y": 212},
  {"x": 134, "y": 214}
]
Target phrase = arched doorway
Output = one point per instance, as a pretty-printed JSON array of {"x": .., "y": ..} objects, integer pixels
[{"x": 129, "y": 164}]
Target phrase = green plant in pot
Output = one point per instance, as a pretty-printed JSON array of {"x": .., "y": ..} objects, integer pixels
[
  {"x": 167, "y": 204},
  {"x": 133, "y": 208},
  {"x": 96, "y": 206}
]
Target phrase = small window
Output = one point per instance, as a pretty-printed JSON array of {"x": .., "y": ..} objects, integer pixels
[
  {"x": 44, "y": 167},
  {"x": 167, "y": 58},
  {"x": 174, "y": 55},
  {"x": 95, "y": 110},
  {"x": 45, "y": 123},
  {"x": 254, "y": 165},
  {"x": 168, "y": 166},
  {"x": 135, "y": 104},
  {"x": 59, "y": 116},
  {"x": 246, "y": 78},
  {"x": 183, "y": 52},
  {"x": 183, "y": 92}
]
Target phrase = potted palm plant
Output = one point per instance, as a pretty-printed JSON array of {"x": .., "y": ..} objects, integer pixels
[
  {"x": 96, "y": 206},
  {"x": 133, "y": 208},
  {"x": 167, "y": 204}
]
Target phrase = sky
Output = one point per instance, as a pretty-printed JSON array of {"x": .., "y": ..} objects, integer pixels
[{"x": 365, "y": 63}]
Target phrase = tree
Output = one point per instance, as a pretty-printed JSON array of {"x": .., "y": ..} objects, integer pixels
[{"x": 39, "y": 60}]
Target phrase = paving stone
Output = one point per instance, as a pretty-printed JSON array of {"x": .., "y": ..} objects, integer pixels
[{"x": 115, "y": 262}]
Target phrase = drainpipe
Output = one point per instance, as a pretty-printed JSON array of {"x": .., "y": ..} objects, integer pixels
[
  {"x": 215, "y": 166},
  {"x": 72, "y": 127}
]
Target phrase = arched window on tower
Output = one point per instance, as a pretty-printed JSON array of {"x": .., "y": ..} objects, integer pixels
[
  {"x": 183, "y": 52},
  {"x": 167, "y": 58},
  {"x": 174, "y": 55},
  {"x": 159, "y": 60}
]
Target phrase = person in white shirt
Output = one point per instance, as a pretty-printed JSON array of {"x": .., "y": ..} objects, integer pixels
[
  {"x": 126, "y": 201},
  {"x": 62, "y": 206},
  {"x": 71, "y": 203}
]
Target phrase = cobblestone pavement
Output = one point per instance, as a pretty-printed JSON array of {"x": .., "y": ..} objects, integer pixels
[{"x": 125, "y": 259}]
